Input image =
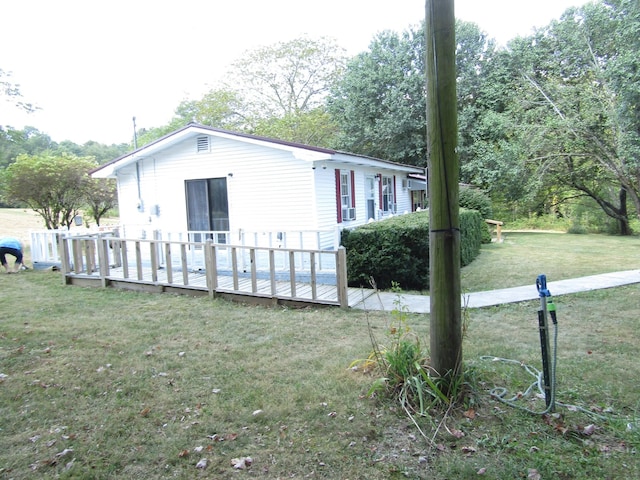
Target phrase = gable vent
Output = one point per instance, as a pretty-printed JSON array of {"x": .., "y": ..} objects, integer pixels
[{"x": 202, "y": 144}]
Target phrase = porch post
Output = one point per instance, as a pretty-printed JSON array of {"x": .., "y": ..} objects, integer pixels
[
  {"x": 103, "y": 259},
  {"x": 341, "y": 277},
  {"x": 210, "y": 266},
  {"x": 63, "y": 252}
]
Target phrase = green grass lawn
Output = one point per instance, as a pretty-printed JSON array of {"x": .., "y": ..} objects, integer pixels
[
  {"x": 99, "y": 383},
  {"x": 522, "y": 256}
]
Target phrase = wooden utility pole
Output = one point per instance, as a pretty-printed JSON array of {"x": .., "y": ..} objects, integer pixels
[{"x": 443, "y": 173}]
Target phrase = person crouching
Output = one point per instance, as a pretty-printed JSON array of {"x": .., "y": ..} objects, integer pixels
[{"x": 11, "y": 246}]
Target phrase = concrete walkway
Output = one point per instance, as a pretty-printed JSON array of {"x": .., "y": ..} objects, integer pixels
[{"x": 421, "y": 303}]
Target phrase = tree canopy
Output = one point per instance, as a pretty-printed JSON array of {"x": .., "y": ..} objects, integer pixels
[
  {"x": 553, "y": 117},
  {"x": 54, "y": 186},
  {"x": 379, "y": 102},
  {"x": 276, "y": 91}
]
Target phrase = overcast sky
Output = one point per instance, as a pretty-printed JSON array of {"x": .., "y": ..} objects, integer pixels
[{"x": 91, "y": 65}]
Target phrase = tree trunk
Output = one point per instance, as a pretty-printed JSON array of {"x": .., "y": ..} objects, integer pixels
[
  {"x": 443, "y": 174},
  {"x": 623, "y": 220}
]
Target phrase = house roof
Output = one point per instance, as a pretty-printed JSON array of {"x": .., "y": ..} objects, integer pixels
[{"x": 303, "y": 152}]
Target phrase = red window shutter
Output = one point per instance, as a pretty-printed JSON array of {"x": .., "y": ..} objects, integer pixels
[
  {"x": 338, "y": 200},
  {"x": 395, "y": 195},
  {"x": 353, "y": 189}
]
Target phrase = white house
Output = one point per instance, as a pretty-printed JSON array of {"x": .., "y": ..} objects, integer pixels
[{"x": 203, "y": 179}]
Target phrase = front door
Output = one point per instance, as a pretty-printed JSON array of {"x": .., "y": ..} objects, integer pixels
[
  {"x": 370, "y": 197},
  {"x": 207, "y": 206}
]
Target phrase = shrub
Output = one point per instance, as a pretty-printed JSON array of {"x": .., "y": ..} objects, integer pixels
[
  {"x": 475, "y": 199},
  {"x": 472, "y": 230},
  {"x": 397, "y": 249}
]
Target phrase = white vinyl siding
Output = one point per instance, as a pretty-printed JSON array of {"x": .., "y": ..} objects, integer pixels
[{"x": 268, "y": 189}]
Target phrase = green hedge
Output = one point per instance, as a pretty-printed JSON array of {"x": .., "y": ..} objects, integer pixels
[{"x": 397, "y": 249}]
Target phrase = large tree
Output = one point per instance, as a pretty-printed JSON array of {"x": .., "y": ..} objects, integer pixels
[
  {"x": 275, "y": 91},
  {"x": 286, "y": 78},
  {"x": 578, "y": 102},
  {"x": 54, "y": 186},
  {"x": 379, "y": 103},
  {"x": 29, "y": 141}
]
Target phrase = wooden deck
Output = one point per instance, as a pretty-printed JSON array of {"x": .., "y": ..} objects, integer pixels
[
  {"x": 300, "y": 295},
  {"x": 223, "y": 272}
]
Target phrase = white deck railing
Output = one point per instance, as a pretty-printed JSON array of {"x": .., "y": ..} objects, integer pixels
[
  {"x": 226, "y": 268},
  {"x": 45, "y": 246}
]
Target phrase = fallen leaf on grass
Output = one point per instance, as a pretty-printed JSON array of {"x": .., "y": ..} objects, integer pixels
[
  {"x": 202, "y": 464},
  {"x": 241, "y": 463},
  {"x": 588, "y": 430},
  {"x": 183, "y": 454},
  {"x": 64, "y": 452},
  {"x": 145, "y": 411},
  {"x": 470, "y": 414},
  {"x": 533, "y": 474},
  {"x": 482, "y": 471},
  {"x": 468, "y": 450}
]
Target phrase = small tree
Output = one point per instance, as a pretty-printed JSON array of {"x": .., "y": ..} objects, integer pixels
[
  {"x": 101, "y": 196},
  {"x": 53, "y": 186}
]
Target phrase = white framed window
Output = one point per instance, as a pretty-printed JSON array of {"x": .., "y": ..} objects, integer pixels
[
  {"x": 345, "y": 186},
  {"x": 388, "y": 194}
]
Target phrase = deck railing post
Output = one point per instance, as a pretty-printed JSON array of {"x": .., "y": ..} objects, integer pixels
[
  {"x": 292, "y": 273},
  {"x": 184, "y": 264},
  {"x": 168, "y": 262},
  {"x": 138, "y": 259},
  {"x": 272, "y": 272},
  {"x": 234, "y": 267},
  {"x": 211, "y": 268},
  {"x": 153, "y": 252},
  {"x": 125, "y": 257},
  {"x": 103, "y": 259},
  {"x": 90, "y": 247},
  {"x": 65, "y": 264},
  {"x": 341, "y": 277},
  {"x": 312, "y": 268},
  {"x": 254, "y": 278},
  {"x": 117, "y": 256},
  {"x": 77, "y": 255}
]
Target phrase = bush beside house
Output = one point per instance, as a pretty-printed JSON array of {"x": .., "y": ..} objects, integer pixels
[{"x": 397, "y": 249}]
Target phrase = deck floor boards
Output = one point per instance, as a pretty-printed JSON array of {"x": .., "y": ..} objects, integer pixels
[{"x": 198, "y": 280}]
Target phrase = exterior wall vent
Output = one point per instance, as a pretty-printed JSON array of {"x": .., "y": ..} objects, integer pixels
[{"x": 202, "y": 144}]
